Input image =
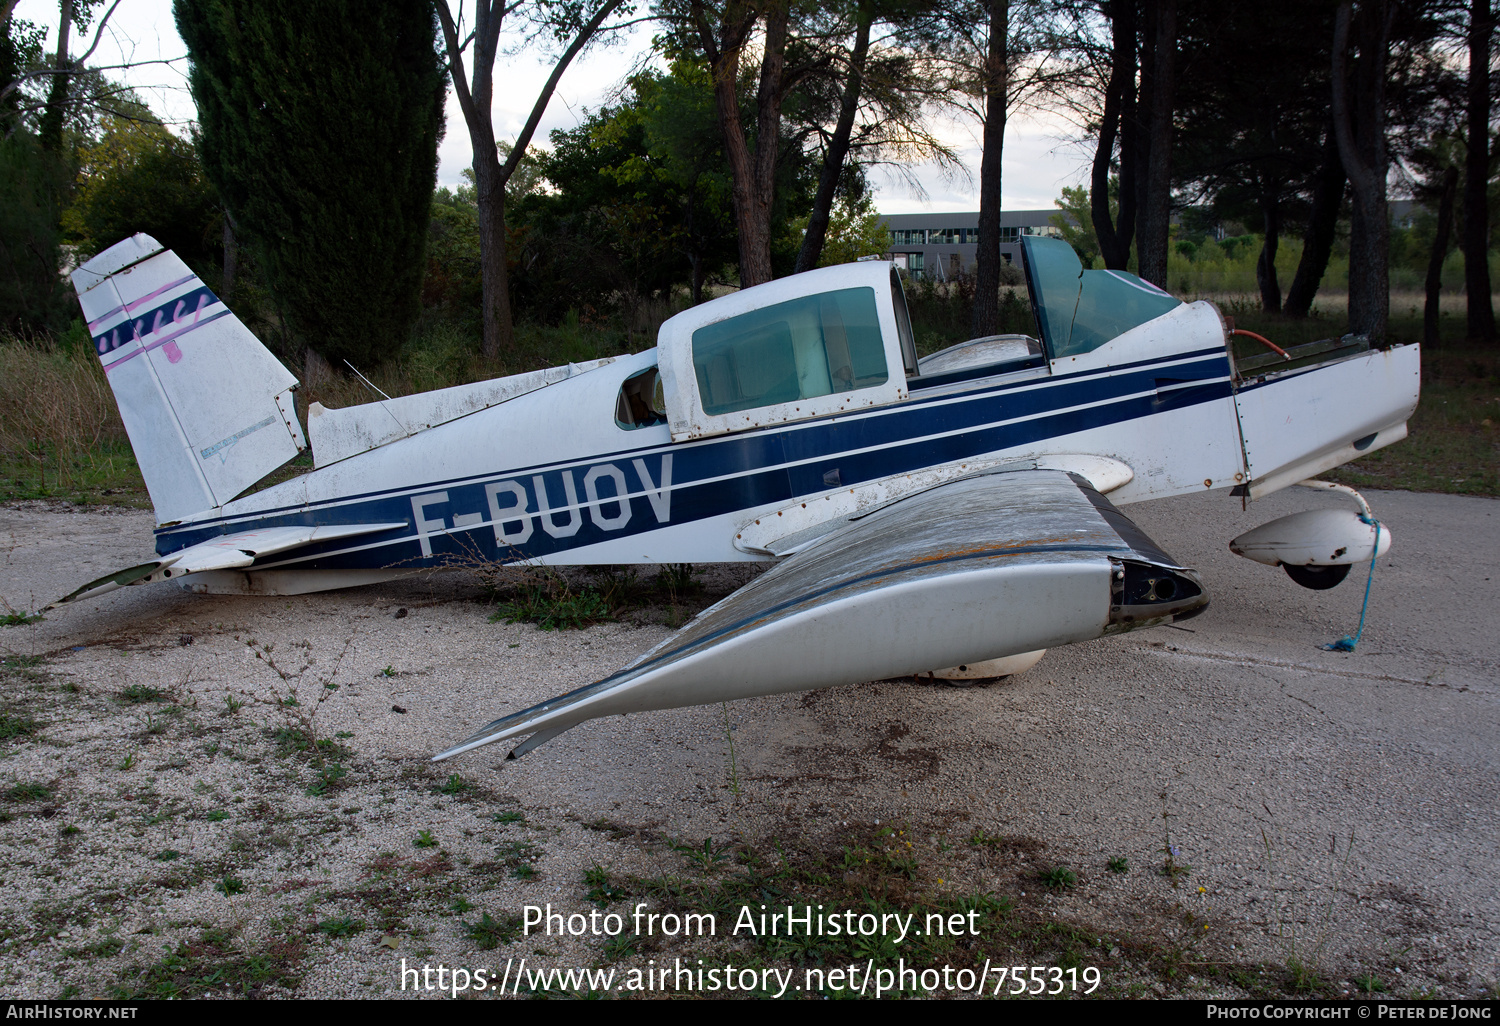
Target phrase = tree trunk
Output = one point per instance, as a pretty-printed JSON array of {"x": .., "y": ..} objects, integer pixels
[
  {"x": 1155, "y": 211},
  {"x": 838, "y": 149},
  {"x": 1431, "y": 312},
  {"x": 1265, "y": 267},
  {"x": 490, "y": 177},
  {"x": 1322, "y": 225},
  {"x": 1359, "y": 121},
  {"x": 495, "y": 281},
  {"x": 1119, "y": 116},
  {"x": 986, "y": 318},
  {"x": 49, "y": 132},
  {"x": 1476, "y": 184},
  {"x": 752, "y": 170}
]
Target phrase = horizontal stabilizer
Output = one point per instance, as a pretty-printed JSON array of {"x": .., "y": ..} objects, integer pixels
[
  {"x": 228, "y": 552},
  {"x": 975, "y": 569}
]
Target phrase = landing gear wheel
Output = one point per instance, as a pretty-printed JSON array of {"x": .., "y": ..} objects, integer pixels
[{"x": 1318, "y": 578}]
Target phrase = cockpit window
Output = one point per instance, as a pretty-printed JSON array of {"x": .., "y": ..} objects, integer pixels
[
  {"x": 641, "y": 402},
  {"x": 806, "y": 347},
  {"x": 1077, "y": 310}
]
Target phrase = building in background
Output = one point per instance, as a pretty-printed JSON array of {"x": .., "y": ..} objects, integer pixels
[{"x": 942, "y": 246}]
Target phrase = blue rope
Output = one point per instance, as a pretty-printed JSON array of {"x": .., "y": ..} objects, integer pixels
[{"x": 1346, "y": 644}]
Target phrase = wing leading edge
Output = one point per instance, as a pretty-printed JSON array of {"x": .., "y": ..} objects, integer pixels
[{"x": 990, "y": 565}]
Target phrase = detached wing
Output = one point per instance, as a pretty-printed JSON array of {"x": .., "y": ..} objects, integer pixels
[
  {"x": 982, "y": 567},
  {"x": 228, "y": 552}
]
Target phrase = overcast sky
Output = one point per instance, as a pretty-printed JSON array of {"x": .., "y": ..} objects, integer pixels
[{"x": 1038, "y": 159}]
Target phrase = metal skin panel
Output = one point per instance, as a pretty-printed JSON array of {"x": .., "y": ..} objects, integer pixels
[
  {"x": 1289, "y": 420},
  {"x": 685, "y": 413},
  {"x": 340, "y": 433},
  {"x": 976, "y": 569},
  {"x": 197, "y": 391}
]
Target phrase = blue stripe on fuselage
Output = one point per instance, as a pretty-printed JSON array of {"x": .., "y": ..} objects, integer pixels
[{"x": 733, "y": 472}]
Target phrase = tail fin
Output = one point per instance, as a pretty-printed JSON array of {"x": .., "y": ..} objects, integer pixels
[{"x": 208, "y": 409}]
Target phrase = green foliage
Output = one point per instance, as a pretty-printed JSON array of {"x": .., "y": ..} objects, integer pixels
[
  {"x": 141, "y": 178},
  {"x": 33, "y": 295},
  {"x": 1076, "y": 221},
  {"x": 28, "y": 793},
  {"x": 490, "y": 932},
  {"x": 855, "y": 229},
  {"x": 551, "y": 603},
  {"x": 321, "y": 139},
  {"x": 341, "y": 927}
]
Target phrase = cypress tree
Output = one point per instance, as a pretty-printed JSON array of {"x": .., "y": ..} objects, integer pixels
[{"x": 320, "y": 121}]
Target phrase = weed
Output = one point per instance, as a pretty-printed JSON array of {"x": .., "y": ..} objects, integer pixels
[
  {"x": 1059, "y": 878},
  {"x": 425, "y": 840},
  {"x": 167, "y": 855},
  {"x": 16, "y": 726},
  {"x": 1119, "y": 864},
  {"x": 509, "y": 817},
  {"x": 229, "y": 886},
  {"x": 1369, "y": 983},
  {"x": 19, "y": 619},
  {"x": 524, "y": 872},
  {"x": 71, "y": 829},
  {"x": 28, "y": 793},
  {"x": 546, "y": 599},
  {"x": 677, "y": 579},
  {"x": 708, "y": 856},
  {"x": 734, "y": 766},
  {"x": 217, "y": 816},
  {"x": 389, "y": 671},
  {"x": 455, "y": 785},
  {"x": 127, "y": 763},
  {"x": 490, "y": 932},
  {"x": 1302, "y": 978},
  {"x": 329, "y": 773},
  {"x": 343, "y": 927},
  {"x": 461, "y": 905},
  {"x": 621, "y": 946},
  {"x": 136, "y": 694},
  {"x": 232, "y": 704},
  {"x": 600, "y": 891}
]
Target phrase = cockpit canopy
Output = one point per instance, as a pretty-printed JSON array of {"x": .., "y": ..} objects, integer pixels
[{"x": 1078, "y": 311}]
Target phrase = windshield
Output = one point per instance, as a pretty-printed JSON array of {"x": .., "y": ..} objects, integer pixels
[{"x": 1078, "y": 311}]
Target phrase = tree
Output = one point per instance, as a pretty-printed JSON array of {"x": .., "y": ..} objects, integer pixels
[
  {"x": 1476, "y": 234},
  {"x": 141, "y": 178},
  {"x": 1359, "y": 126},
  {"x": 639, "y": 199},
  {"x": 563, "y": 19},
  {"x": 319, "y": 126},
  {"x": 1074, "y": 223}
]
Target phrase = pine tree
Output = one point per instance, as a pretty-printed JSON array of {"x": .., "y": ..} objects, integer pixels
[{"x": 320, "y": 122}]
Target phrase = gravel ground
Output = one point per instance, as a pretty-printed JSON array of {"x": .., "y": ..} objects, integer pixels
[{"x": 174, "y": 824}]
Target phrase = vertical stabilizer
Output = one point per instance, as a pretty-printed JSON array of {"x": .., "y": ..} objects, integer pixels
[{"x": 208, "y": 409}]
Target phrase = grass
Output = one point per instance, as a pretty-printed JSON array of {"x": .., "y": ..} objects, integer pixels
[
  {"x": 213, "y": 965},
  {"x": 489, "y": 933},
  {"x": 28, "y": 793},
  {"x": 551, "y": 603}
]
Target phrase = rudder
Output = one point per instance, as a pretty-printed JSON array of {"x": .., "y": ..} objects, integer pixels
[{"x": 208, "y": 409}]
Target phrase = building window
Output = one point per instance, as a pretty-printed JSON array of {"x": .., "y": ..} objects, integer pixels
[{"x": 909, "y": 236}]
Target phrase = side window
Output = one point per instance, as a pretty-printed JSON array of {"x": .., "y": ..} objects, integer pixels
[
  {"x": 641, "y": 402},
  {"x": 800, "y": 349}
]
